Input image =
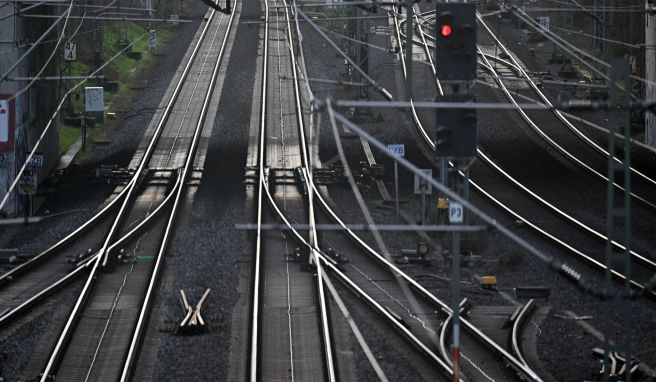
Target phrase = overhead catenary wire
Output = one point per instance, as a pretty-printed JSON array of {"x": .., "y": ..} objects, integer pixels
[
  {"x": 633, "y": 46},
  {"x": 17, "y": 12},
  {"x": 45, "y": 65},
  {"x": 64, "y": 15},
  {"x": 563, "y": 268},
  {"x": 54, "y": 115},
  {"x": 355, "y": 40},
  {"x": 384, "y": 92},
  {"x": 572, "y": 50}
]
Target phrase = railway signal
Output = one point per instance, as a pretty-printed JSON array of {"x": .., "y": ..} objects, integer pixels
[
  {"x": 456, "y": 55},
  {"x": 455, "y": 128}
]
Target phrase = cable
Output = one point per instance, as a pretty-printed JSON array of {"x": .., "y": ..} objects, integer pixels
[
  {"x": 55, "y": 114},
  {"x": 384, "y": 92},
  {"x": 633, "y": 46},
  {"x": 45, "y": 65},
  {"x": 43, "y": 36}
]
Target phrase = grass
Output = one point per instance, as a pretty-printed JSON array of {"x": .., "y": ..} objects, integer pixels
[
  {"x": 67, "y": 136},
  {"x": 122, "y": 69}
]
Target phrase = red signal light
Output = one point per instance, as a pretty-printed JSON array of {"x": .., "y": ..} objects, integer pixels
[{"x": 446, "y": 30}]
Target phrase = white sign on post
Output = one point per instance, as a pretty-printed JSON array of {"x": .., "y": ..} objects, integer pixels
[
  {"x": 422, "y": 187},
  {"x": 4, "y": 121},
  {"x": 398, "y": 149},
  {"x": 152, "y": 42},
  {"x": 456, "y": 213},
  {"x": 70, "y": 51},
  {"x": 94, "y": 99}
]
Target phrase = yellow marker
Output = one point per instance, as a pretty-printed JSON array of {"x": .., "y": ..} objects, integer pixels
[
  {"x": 442, "y": 204},
  {"x": 488, "y": 282}
]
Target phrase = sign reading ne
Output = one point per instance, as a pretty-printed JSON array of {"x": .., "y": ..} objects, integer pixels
[
  {"x": 94, "y": 99},
  {"x": 455, "y": 213},
  {"x": 398, "y": 150},
  {"x": 70, "y": 51},
  {"x": 27, "y": 185}
]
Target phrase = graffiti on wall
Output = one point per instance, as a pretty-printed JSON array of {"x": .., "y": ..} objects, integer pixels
[{"x": 7, "y": 149}]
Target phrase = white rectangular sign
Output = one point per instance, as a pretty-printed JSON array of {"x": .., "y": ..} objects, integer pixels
[
  {"x": 152, "y": 42},
  {"x": 422, "y": 187},
  {"x": 70, "y": 51},
  {"x": 398, "y": 149},
  {"x": 544, "y": 22},
  {"x": 94, "y": 99},
  {"x": 456, "y": 213}
]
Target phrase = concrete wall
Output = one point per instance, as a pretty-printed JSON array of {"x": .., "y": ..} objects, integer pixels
[{"x": 29, "y": 111}]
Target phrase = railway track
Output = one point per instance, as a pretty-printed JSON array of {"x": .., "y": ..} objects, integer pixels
[
  {"x": 364, "y": 286},
  {"x": 101, "y": 336},
  {"x": 290, "y": 332},
  {"x": 644, "y": 266},
  {"x": 584, "y": 156}
]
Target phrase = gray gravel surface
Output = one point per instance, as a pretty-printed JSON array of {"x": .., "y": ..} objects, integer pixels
[
  {"x": 79, "y": 192},
  {"x": 509, "y": 262},
  {"x": 205, "y": 250},
  {"x": 206, "y": 229}
]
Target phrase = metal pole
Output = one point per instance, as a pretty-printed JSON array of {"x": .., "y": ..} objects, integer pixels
[
  {"x": 396, "y": 186},
  {"x": 84, "y": 134},
  {"x": 443, "y": 180},
  {"x": 650, "y": 72},
  {"x": 26, "y": 213},
  {"x": 459, "y": 187},
  {"x": 455, "y": 303},
  {"x": 408, "y": 48},
  {"x": 423, "y": 206},
  {"x": 618, "y": 206}
]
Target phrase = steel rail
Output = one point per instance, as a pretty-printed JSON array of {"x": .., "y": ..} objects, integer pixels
[
  {"x": 389, "y": 318},
  {"x": 562, "y": 243},
  {"x": 423, "y": 291},
  {"x": 257, "y": 263},
  {"x": 558, "y": 114},
  {"x": 565, "y": 115},
  {"x": 327, "y": 341},
  {"x": 517, "y": 328},
  {"x": 444, "y": 332},
  {"x": 103, "y": 255},
  {"x": 636, "y": 143},
  {"x": 648, "y": 263},
  {"x": 356, "y": 331},
  {"x": 484, "y": 338},
  {"x": 489, "y": 342},
  {"x": 158, "y": 131},
  {"x": 12, "y": 274},
  {"x": 130, "y": 360},
  {"x": 549, "y": 106},
  {"x": 349, "y": 283},
  {"x": 534, "y": 226},
  {"x": 27, "y": 304}
]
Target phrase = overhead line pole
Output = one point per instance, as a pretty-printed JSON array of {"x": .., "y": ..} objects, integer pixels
[{"x": 650, "y": 70}]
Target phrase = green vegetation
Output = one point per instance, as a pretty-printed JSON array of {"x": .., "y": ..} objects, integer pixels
[
  {"x": 124, "y": 69},
  {"x": 67, "y": 136}
]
